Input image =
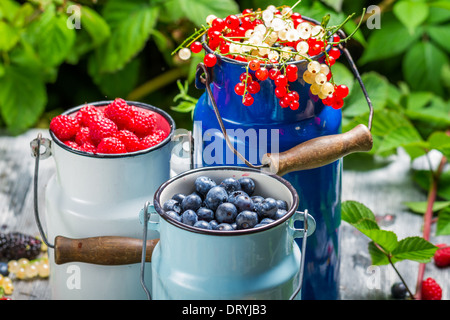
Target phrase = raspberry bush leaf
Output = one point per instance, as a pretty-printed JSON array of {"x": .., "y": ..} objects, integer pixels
[
  {"x": 384, "y": 247},
  {"x": 443, "y": 223}
]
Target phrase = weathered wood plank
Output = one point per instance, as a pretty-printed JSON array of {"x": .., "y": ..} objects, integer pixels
[{"x": 383, "y": 190}]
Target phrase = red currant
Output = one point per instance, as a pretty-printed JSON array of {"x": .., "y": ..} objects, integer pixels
[
  {"x": 274, "y": 73},
  {"x": 196, "y": 47},
  {"x": 232, "y": 22},
  {"x": 294, "y": 104},
  {"x": 341, "y": 91},
  {"x": 292, "y": 77},
  {"x": 248, "y": 100},
  {"x": 296, "y": 15},
  {"x": 239, "y": 89},
  {"x": 247, "y": 11},
  {"x": 210, "y": 60},
  {"x": 280, "y": 92},
  {"x": 330, "y": 61},
  {"x": 246, "y": 23},
  {"x": 262, "y": 74},
  {"x": 337, "y": 103},
  {"x": 315, "y": 49},
  {"x": 245, "y": 77},
  {"x": 225, "y": 48},
  {"x": 254, "y": 65},
  {"x": 291, "y": 69},
  {"x": 218, "y": 24},
  {"x": 296, "y": 95},
  {"x": 283, "y": 104},
  {"x": 329, "y": 101},
  {"x": 281, "y": 81},
  {"x": 336, "y": 38},
  {"x": 335, "y": 53},
  {"x": 253, "y": 87},
  {"x": 213, "y": 33}
]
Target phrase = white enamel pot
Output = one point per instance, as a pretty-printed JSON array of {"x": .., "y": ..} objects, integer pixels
[
  {"x": 96, "y": 197},
  {"x": 258, "y": 263}
]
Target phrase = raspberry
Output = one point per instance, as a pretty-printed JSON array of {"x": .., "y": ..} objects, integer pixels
[
  {"x": 111, "y": 145},
  {"x": 120, "y": 112},
  {"x": 88, "y": 147},
  {"x": 87, "y": 114},
  {"x": 153, "y": 139},
  {"x": 431, "y": 290},
  {"x": 102, "y": 128},
  {"x": 442, "y": 256},
  {"x": 64, "y": 127},
  {"x": 83, "y": 136},
  {"x": 130, "y": 140},
  {"x": 72, "y": 144},
  {"x": 143, "y": 123}
]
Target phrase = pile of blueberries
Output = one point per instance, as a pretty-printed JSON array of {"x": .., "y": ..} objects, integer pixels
[{"x": 229, "y": 205}]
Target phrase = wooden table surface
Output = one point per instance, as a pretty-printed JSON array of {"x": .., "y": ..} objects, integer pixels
[{"x": 383, "y": 190}]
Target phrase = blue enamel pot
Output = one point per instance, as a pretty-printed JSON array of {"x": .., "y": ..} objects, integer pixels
[
  {"x": 305, "y": 146},
  {"x": 258, "y": 263}
]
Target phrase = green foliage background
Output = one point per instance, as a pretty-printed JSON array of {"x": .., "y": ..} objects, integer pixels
[{"x": 123, "y": 49}]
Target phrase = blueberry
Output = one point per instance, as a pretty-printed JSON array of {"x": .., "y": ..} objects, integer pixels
[
  {"x": 224, "y": 227},
  {"x": 202, "y": 224},
  {"x": 243, "y": 203},
  {"x": 234, "y": 226},
  {"x": 230, "y": 185},
  {"x": 4, "y": 269},
  {"x": 191, "y": 202},
  {"x": 213, "y": 224},
  {"x": 232, "y": 196},
  {"x": 179, "y": 197},
  {"x": 282, "y": 204},
  {"x": 266, "y": 221},
  {"x": 189, "y": 217},
  {"x": 398, "y": 290},
  {"x": 247, "y": 184},
  {"x": 203, "y": 184},
  {"x": 246, "y": 219},
  {"x": 257, "y": 199},
  {"x": 215, "y": 196},
  {"x": 172, "y": 205},
  {"x": 174, "y": 215},
  {"x": 205, "y": 214},
  {"x": 226, "y": 213},
  {"x": 267, "y": 208},
  {"x": 280, "y": 213}
]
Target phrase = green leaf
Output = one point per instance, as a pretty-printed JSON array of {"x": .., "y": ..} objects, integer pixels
[
  {"x": 9, "y": 36},
  {"x": 197, "y": 10},
  {"x": 422, "y": 67},
  {"x": 51, "y": 37},
  {"x": 436, "y": 113},
  {"x": 440, "y": 35},
  {"x": 8, "y": 9},
  {"x": 131, "y": 23},
  {"x": 415, "y": 249},
  {"x": 421, "y": 206},
  {"x": 441, "y": 4},
  {"x": 443, "y": 223},
  {"x": 377, "y": 87},
  {"x": 411, "y": 13},
  {"x": 389, "y": 41},
  {"x": 399, "y": 137},
  {"x": 357, "y": 213},
  {"x": 23, "y": 97},
  {"x": 440, "y": 141}
]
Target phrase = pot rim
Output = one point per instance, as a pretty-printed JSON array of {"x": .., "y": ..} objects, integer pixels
[
  {"x": 161, "y": 112},
  {"x": 269, "y": 65},
  {"x": 183, "y": 226}
]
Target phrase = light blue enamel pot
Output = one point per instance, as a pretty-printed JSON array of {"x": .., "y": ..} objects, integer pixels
[{"x": 193, "y": 263}]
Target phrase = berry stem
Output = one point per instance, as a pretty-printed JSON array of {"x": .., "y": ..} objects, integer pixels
[
  {"x": 400, "y": 276},
  {"x": 194, "y": 37},
  {"x": 427, "y": 220},
  {"x": 337, "y": 28}
]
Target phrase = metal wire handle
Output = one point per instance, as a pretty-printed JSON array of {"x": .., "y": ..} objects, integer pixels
[{"x": 36, "y": 153}]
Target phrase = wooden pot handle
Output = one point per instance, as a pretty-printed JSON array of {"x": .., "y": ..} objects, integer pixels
[
  {"x": 319, "y": 151},
  {"x": 107, "y": 250}
]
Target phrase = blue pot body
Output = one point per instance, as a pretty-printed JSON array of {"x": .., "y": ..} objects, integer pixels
[{"x": 266, "y": 127}]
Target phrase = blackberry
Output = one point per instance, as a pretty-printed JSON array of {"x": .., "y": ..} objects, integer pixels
[{"x": 16, "y": 245}]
